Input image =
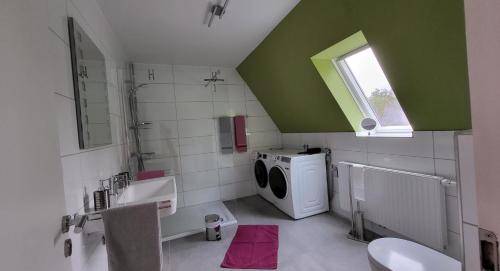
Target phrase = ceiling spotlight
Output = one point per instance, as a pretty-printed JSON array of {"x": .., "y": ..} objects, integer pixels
[{"x": 217, "y": 10}]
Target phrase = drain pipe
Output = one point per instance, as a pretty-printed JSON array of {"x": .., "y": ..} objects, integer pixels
[{"x": 329, "y": 176}]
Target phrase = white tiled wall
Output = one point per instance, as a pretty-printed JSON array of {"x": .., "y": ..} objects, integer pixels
[
  {"x": 427, "y": 152},
  {"x": 184, "y": 133},
  {"x": 84, "y": 167}
]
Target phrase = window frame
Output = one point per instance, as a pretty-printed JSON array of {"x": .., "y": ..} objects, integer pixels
[{"x": 362, "y": 101}]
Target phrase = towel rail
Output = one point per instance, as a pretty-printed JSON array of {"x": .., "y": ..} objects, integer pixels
[{"x": 214, "y": 118}]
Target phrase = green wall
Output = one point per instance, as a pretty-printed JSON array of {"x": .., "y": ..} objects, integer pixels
[{"x": 420, "y": 44}]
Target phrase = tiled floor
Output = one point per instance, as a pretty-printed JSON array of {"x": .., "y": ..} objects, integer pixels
[{"x": 314, "y": 244}]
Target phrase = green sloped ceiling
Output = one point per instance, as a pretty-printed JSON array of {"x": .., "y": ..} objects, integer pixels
[{"x": 419, "y": 43}]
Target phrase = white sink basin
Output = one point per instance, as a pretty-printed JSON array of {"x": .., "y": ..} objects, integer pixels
[{"x": 161, "y": 190}]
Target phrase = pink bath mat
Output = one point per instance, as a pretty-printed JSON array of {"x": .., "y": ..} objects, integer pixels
[{"x": 253, "y": 247}]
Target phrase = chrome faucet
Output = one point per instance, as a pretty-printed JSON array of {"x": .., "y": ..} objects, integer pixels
[{"x": 117, "y": 183}]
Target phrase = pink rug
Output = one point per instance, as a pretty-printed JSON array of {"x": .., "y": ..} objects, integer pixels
[{"x": 253, "y": 247}]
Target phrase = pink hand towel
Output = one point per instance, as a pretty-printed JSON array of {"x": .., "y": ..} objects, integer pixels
[
  {"x": 145, "y": 175},
  {"x": 240, "y": 134}
]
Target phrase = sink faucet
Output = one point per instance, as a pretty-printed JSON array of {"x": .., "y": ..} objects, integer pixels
[
  {"x": 306, "y": 147},
  {"x": 117, "y": 183}
]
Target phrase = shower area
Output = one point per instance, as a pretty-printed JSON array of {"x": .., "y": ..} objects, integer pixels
[{"x": 173, "y": 120}]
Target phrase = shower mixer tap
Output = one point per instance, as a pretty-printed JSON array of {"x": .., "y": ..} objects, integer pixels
[{"x": 213, "y": 79}]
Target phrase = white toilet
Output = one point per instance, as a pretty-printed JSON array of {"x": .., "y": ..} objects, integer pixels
[{"x": 392, "y": 254}]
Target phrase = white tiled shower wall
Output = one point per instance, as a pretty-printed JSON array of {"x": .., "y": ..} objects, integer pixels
[
  {"x": 427, "y": 152},
  {"x": 84, "y": 167},
  {"x": 184, "y": 133}
]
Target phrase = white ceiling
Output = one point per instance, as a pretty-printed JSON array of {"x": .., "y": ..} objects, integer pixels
[{"x": 174, "y": 31}]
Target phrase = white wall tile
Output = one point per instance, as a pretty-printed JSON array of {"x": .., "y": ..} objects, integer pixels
[
  {"x": 249, "y": 96},
  {"x": 193, "y": 123},
  {"x": 236, "y": 93},
  {"x": 444, "y": 145},
  {"x": 315, "y": 140},
  {"x": 160, "y": 130},
  {"x": 197, "y": 145},
  {"x": 421, "y": 144},
  {"x": 162, "y": 147},
  {"x": 200, "y": 180},
  {"x": 193, "y": 128},
  {"x": 179, "y": 183},
  {"x": 199, "y": 162},
  {"x": 346, "y": 141},
  {"x": 235, "y": 174},
  {"x": 446, "y": 169},
  {"x": 349, "y": 156},
  {"x": 117, "y": 132},
  {"x": 161, "y": 74},
  {"x": 171, "y": 165},
  {"x": 114, "y": 100},
  {"x": 259, "y": 140},
  {"x": 255, "y": 109},
  {"x": 454, "y": 246},
  {"x": 194, "y": 110},
  {"x": 156, "y": 111},
  {"x": 225, "y": 160},
  {"x": 191, "y": 74},
  {"x": 237, "y": 190},
  {"x": 241, "y": 158},
  {"x": 231, "y": 109},
  {"x": 156, "y": 93},
  {"x": 230, "y": 75},
  {"x": 414, "y": 164},
  {"x": 180, "y": 199},
  {"x": 193, "y": 93},
  {"x": 220, "y": 93},
  {"x": 201, "y": 196},
  {"x": 452, "y": 216},
  {"x": 259, "y": 124},
  {"x": 292, "y": 140}
]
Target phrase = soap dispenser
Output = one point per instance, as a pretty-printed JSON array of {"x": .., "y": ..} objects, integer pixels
[{"x": 86, "y": 202}]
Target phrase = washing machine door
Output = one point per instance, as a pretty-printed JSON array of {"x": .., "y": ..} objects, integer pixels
[
  {"x": 277, "y": 182},
  {"x": 260, "y": 171}
]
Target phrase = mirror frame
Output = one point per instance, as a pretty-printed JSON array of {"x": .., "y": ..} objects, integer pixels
[{"x": 76, "y": 87}]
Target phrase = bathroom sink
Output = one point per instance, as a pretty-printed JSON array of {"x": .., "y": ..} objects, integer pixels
[{"x": 161, "y": 190}]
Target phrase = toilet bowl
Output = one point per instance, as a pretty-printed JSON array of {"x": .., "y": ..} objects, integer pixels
[{"x": 392, "y": 254}]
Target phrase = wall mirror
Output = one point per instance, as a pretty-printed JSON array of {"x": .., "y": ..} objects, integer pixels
[{"x": 91, "y": 89}]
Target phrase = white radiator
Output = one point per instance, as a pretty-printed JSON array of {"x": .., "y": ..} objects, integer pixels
[{"x": 407, "y": 203}]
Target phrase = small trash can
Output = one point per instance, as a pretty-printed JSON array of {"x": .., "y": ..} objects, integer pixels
[{"x": 212, "y": 225}]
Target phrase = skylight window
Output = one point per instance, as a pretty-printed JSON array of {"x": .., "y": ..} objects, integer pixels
[{"x": 371, "y": 90}]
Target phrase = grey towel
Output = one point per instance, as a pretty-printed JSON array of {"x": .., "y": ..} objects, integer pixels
[
  {"x": 225, "y": 135},
  {"x": 133, "y": 239}
]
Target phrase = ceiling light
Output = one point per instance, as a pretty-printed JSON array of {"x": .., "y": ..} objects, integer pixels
[{"x": 217, "y": 10}]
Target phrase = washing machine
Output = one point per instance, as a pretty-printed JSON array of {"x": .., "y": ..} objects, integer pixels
[
  {"x": 262, "y": 164},
  {"x": 298, "y": 183}
]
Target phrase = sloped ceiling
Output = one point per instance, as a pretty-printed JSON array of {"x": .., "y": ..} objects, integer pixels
[
  {"x": 175, "y": 31},
  {"x": 420, "y": 44}
]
